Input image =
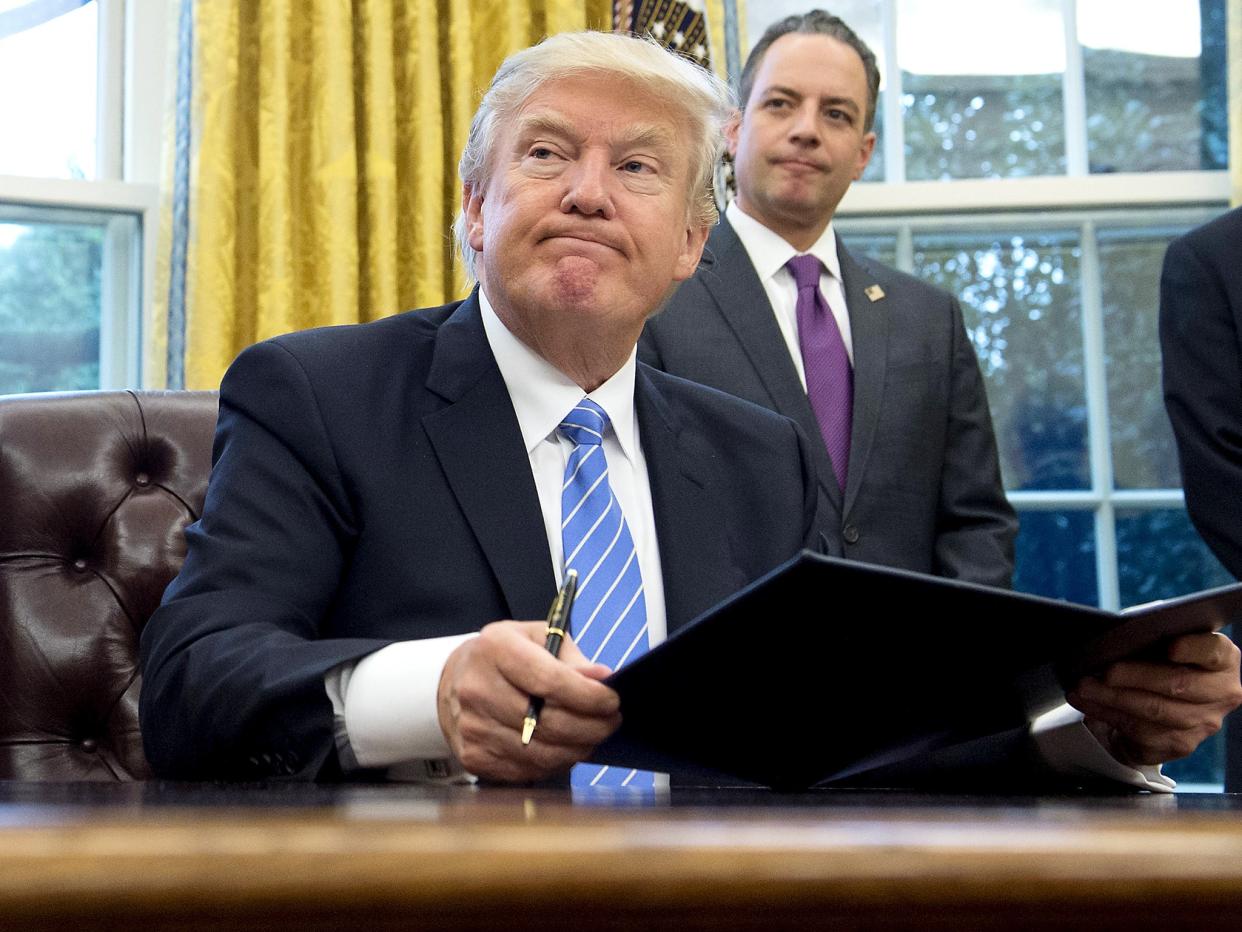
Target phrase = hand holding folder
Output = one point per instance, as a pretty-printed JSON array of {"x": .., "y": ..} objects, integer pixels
[
  {"x": 826, "y": 668},
  {"x": 1148, "y": 710}
]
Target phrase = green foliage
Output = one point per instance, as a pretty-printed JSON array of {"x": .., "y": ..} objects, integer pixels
[{"x": 49, "y": 308}]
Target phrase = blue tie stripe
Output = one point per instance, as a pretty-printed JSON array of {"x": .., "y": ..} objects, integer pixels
[
  {"x": 606, "y": 631},
  {"x": 609, "y": 618}
]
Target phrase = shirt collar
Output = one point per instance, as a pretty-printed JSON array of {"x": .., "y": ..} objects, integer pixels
[
  {"x": 769, "y": 251},
  {"x": 542, "y": 395}
]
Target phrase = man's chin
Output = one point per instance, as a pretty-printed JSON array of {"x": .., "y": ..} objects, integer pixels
[
  {"x": 799, "y": 201},
  {"x": 575, "y": 282}
]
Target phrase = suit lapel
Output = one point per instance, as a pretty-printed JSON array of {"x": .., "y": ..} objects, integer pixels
[
  {"x": 730, "y": 278},
  {"x": 692, "y": 551},
  {"x": 479, "y": 445},
  {"x": 869, "y": 329}
]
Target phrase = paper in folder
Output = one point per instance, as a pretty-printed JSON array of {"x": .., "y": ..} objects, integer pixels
[{"x": 826, "y": 668}]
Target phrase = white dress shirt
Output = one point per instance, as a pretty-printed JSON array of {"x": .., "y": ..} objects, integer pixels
[
  {"x": 768, "y": 252},
  {"x": 385, "y": 703}
]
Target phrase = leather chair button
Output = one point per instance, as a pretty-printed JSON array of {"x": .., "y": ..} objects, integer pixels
[
  {"x": 850, "y": 533},
  {"x": 80, "y": 564},
  {"x": 89, "y": 745},
  {"x": 142, "y": 479}
]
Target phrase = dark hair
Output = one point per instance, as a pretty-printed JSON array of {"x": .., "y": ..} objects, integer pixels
[{"x": 816, "y": 22}]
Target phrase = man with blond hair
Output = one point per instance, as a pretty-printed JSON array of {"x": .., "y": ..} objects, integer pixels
[{"x": 388, "y": 497}]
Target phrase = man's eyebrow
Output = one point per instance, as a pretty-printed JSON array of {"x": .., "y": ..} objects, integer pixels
[
  {"x": 549, "y": 123},
  {"x": 646, "y": 135},
  {"x": 639, "y": 135},
  {"x": 843, "y": 102},
  {"x": 782, "y": 89}
]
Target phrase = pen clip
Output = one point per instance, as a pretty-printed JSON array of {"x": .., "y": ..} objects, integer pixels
[{"x": 562, "y": 605}]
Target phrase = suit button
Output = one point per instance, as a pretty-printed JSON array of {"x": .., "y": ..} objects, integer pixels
[{"x": 850, "y": 533}]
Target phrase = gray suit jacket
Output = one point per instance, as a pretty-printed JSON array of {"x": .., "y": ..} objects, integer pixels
[{"x": 924, "y": 488}]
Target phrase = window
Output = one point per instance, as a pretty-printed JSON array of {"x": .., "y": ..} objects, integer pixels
[
  {"x": 77, "y": 192},
  {"x": 1037, "y": 166}
]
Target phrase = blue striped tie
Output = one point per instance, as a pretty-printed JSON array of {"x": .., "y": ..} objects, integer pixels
[{"x": 609, "y": 619}]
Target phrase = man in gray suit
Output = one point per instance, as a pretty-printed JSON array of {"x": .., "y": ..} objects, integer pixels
[{"x": 908, "y": 468}]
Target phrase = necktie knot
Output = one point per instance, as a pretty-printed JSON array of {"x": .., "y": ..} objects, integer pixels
[
  {"x": 585, "y": 424},
  {"x": 805, "y": 270}
]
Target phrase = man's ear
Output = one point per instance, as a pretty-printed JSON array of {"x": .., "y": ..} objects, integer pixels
[
  {"x": 731, "y": 129},
  {"x": 688, "y": 258},
  {"x": 865, "y": 151},
  {"x": 472, "y": 210}
]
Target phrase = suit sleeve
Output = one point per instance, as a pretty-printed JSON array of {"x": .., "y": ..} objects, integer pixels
[
  {"x": 234, "y": 659},
  {"x": 975, "y": 524},
  {"x": 1203, "y": 395}
]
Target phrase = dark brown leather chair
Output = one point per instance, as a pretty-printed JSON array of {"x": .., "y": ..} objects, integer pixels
[{"x": 96, "y": 489}]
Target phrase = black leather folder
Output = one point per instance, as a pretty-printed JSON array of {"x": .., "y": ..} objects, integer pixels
[{"x": 826, "y": 668}]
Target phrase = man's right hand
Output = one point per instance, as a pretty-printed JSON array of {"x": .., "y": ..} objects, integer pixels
[{"x": 484, "y": 691}]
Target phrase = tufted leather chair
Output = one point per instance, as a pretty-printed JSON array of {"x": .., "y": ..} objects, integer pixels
[{"x": 96, "y": 489}]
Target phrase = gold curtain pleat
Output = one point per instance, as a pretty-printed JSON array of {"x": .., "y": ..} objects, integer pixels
[{"x": 324, "y": 138}]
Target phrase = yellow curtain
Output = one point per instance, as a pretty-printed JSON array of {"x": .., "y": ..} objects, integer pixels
[
  {"x": 315, "y": 178},
  {"x": 1235, "y": 99}
]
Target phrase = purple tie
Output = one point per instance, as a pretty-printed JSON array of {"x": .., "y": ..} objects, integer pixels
[{"x": 829, "y": 376}]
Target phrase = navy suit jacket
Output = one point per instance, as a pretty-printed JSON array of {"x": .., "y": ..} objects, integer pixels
[
  {"x": 1201, "y": 347},
  {"x": 1201, "y": 344},
  {"x": 370, "y": 484},
  {"x": 923, "y": 490}
]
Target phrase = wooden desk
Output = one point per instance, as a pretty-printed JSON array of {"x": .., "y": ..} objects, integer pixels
[{"x": 85, "y": 857}]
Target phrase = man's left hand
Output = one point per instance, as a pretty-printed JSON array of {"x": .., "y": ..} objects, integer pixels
[{"x": 1149, "y": 712}]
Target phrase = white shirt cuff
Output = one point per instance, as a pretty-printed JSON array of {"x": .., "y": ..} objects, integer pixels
[
  {"x": 385, "y": 710},
  {"x": 1069, "y": 748}
]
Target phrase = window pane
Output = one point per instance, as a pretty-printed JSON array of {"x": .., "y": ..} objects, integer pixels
[
  {"x": 49, "y": 306},
  {"x": 865, "y": 17},
  {"x": 981, "y": 101},
  {"x": 878, "y": 246},
  {"x": 49, "y": 126},
  {"x": 1155, "y": 96},
  {"x": 1159, "y": 555},
  {"x": 1144, "y": 456},
  {"x": 1205, "y": 766},
  {"x": 1020, "y": 298},
  {"x": 1055, "y": 555}
]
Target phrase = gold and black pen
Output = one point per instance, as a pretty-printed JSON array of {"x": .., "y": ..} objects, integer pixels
[{"x": 558, "y": 631}]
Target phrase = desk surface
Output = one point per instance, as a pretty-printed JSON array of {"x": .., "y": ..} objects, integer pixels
[{"x": 188, "y": 857}]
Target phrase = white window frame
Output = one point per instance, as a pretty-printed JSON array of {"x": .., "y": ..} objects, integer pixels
[
  {"x": 895, "y": 205},
  {"x": 133, "y": 49},
  {"x": 1077, "y": 190},
  {"x": 971, "y": 202}
]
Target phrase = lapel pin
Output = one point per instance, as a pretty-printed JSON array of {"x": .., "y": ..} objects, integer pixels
[{"x": 874, "y": 292}]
